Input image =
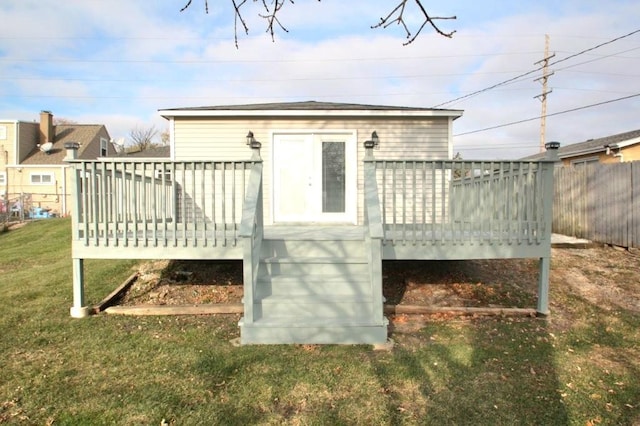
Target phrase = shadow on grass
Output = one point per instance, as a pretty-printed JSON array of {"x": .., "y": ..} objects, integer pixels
[
  {"x": 482, "y": 371},
  {"x": 471, "y": 371}
]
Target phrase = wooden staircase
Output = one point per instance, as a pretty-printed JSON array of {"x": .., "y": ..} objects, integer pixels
[{"x": 314, "y": 286}]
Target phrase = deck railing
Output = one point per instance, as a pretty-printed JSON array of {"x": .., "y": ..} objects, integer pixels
[
  {"x": 159, "y": 203},
  {"x": 374, "y": 233},
  {"x": 464, "y": 201},
  {"x": 252, "y": 232}
]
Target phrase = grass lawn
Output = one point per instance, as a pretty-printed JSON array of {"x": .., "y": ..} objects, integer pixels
[{"x": 580, "y": 367}]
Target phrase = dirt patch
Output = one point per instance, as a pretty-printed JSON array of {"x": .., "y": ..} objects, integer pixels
[
  {"x": 604, "y": 276},
  {"x": 171, "y": 282}
]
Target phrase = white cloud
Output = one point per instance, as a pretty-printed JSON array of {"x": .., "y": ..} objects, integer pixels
[{"x": 123, "y": 60}]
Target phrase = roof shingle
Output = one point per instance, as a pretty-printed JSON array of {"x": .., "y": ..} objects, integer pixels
[{"x": 84, "y": 134}]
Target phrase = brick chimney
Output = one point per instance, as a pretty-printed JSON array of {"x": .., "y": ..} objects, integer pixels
[{"x": 46, "y": 127}]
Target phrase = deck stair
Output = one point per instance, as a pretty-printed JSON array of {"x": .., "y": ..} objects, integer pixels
[{"x": 314, "y": 286}]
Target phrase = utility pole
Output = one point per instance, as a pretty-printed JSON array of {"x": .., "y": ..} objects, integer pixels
[{"x": 545, "y": 91}]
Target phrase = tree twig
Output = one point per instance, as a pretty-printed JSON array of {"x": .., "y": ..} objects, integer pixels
[{"x": 397, "y": 16}]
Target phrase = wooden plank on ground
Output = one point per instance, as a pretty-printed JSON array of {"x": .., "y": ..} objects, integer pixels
[
  {"x": 221, "y": 308},
  {"x": 459, "y": 310},
  {"x": 115, "y": 294}
]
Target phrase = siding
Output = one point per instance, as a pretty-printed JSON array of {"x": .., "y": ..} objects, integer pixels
[
  {"x": 7, "y": 145},
  {"x": 29, "y": 134},
  {"x": 223, "y": 139}
]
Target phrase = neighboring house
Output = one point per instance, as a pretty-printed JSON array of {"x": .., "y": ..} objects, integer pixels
[
  {"x": 312, "y": 196},
  {"x": 33, "y": 166},
  {"x": 617, "y": 148}
]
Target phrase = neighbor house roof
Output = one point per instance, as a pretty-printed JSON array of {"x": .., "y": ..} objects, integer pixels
[
  {"x": 84, "y": 134},
  {"x": 152, "y": 152},
  {"x": 594, "y": 146},
  {"x": 307, "y": 108}
]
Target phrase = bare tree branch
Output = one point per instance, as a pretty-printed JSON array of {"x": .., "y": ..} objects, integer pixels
[
  {"x": 142, "y": 137},
  {"x": 397, "y": 16},
  {"x": 271, "y": 18},
  {"x": 272, "y": 10}
]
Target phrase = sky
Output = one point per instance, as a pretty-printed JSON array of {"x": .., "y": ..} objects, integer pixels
[{"x": 117, "y": 62}]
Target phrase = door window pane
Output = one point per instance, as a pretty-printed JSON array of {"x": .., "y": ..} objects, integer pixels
[{"x": 333, "y": 177}]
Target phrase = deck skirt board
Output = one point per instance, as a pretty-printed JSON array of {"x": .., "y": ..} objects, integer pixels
[{"x": 320, "y": 244}]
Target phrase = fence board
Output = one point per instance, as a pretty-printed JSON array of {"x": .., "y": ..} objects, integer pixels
[{"x": 600, "y": 202}]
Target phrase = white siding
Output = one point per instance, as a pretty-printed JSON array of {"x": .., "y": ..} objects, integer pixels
[{"x": 223, "y": 139}]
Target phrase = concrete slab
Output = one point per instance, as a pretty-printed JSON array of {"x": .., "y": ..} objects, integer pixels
[{"x": 565, "y": 241}]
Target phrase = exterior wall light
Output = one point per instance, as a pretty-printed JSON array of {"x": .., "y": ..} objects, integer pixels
[
  {"x": 373, "y": 142},
  {"x": 252, "y": 142}
]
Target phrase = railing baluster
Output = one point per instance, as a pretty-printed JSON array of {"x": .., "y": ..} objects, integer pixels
[
  {"x": 85, "y": 190},
  {"x": 384, "y": 197},
  {"x": 94, "y": 204},
  {"x": 116, "y": 190},
  {"x": 194, "y": 213},
  {"x": 521, "y": 204},
  {"x": 203, "y": 205},
  {"x": 213, "y": 203},
  {"x": 404, "y": 202},
  {"x": 104, "y": 199},
  {"x": 144, "y": 208},
  {"x": 223, "y": 196},
  {"x": 424, "y": 200},
  {"x": 233, "y": 203},
  {"x": 154, "y": 201}
]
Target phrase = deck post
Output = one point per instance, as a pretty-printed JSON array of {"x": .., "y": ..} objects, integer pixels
[
  {"x": 375, "y": 230},
  {"x": 252, "y": 233},
  {"x": 543, "y": 286},
  {"x": 547, "y": 191},
  {"x": 78, "y": 310}
]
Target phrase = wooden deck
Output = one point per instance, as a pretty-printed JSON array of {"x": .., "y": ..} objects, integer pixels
[{"x": 312, "y": 283}]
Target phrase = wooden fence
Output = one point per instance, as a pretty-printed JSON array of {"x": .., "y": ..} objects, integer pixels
[{"x": 599, "y": 202}]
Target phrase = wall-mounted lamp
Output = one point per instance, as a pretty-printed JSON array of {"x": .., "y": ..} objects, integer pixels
[
  {"x": 373, "y": 142},
  {"x": 252, "y": 142}
]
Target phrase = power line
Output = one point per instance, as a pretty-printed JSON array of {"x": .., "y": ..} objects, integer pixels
[
  {"x": 582, "y": 52},
  {"x": 549, "y": 115},
  {"x": 215, "y": 61}
]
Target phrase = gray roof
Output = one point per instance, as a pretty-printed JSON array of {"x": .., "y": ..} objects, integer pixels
[
  {"x": 152, "y": 152},
  {"x": 84, "y": 134},
  {"x": 304, "y": 106},
  {"x": 590, "y": 146}
]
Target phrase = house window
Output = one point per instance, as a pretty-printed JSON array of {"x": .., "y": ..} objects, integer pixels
[
  {"x": 3, "y": 132},
  {"x": 41, "y": 178},
  {"x": 3, "y": 178},
  {"x": 103, "y": 147}
]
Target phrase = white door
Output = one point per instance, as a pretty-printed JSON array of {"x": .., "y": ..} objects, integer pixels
[{"x": 314, "y": 177}]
